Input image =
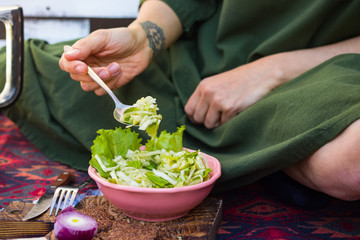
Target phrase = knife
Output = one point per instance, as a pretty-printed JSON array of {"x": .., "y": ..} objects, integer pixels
[
  {"x": 44, "y": 202},
  {"x": 14, "y": 229}
]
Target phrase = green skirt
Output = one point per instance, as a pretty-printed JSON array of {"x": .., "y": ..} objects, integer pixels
[{"x": 286, "y": 126}]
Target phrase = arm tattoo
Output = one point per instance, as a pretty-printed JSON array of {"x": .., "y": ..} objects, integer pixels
[{"x": 155, "y": 36}]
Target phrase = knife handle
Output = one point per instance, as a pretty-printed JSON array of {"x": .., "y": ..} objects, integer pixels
[{"x": 63, "y": 179}]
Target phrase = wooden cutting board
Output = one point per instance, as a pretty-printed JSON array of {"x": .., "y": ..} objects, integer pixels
[{"x": 200, "y": 223}]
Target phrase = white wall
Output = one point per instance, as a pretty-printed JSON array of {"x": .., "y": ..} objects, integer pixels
[{"x": 61, "y": 20}]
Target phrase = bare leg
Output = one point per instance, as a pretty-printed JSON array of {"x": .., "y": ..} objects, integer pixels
[{"x": 335, "y": 168}]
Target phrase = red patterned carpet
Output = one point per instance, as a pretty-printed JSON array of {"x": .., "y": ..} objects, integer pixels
[{"x": 250, "y": 212}]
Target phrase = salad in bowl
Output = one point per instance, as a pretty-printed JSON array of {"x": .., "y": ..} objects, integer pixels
[{"x": 156, "y": 181}]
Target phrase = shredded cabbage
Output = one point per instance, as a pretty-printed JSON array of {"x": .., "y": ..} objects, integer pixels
[
  {"x": 158, "y": 169},
  {"x": 162, "y": 164},
  {"x": 143, "y": 114}
]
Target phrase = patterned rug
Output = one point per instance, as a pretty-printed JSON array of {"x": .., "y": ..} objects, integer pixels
[{"x": 250, "y": 212}]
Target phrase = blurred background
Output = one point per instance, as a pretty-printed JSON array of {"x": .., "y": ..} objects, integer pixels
[{"x": 56, "y": 21}]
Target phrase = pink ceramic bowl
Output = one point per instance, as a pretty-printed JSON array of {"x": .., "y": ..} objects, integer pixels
[{"x": 157, "y": 204}]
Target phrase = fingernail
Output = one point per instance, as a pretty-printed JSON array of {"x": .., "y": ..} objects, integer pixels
[
  {"x": 104, "y": 74},
  {"x": 72, "y": 51},
  {"x": 114, "y": 68},
  {"x": 79, "y": 69}
]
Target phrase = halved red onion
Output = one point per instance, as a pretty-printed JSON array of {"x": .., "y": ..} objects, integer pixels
[{"x": 70, "y": 224}]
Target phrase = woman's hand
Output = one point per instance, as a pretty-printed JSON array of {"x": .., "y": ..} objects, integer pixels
[
  {"x": 116, "y": 55},
  {"x": 221, "y": 97}
]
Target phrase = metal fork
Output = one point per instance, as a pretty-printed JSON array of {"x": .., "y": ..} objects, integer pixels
[
  {"x": 119, "y": 106},
  {"x": 69, "y": 193}
]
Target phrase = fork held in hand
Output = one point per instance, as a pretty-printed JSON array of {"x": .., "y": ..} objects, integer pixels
[{"x": 69, "y": 193}]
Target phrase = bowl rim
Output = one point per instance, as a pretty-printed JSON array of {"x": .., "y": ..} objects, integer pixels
[{"x": 214, "y": 175}]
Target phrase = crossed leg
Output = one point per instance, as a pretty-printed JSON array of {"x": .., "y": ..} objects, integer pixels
[{"x": 335, "y": 168}]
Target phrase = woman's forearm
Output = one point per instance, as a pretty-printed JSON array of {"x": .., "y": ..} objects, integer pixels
[
  {"x": 160, "y": 24},
  {"x": 289, "y": 65}
]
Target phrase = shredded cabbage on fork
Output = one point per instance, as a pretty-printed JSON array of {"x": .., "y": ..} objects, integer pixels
[{"x": 143, "y": 114}]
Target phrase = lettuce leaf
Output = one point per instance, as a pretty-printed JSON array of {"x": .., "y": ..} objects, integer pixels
[
  {"x": 151, "y": 130},
  {"x": 167, "y": 141},
  {"x": 158, "y": 181},
  {"x": 161, "y": 154},
  {"x": 110, "y": 144}
]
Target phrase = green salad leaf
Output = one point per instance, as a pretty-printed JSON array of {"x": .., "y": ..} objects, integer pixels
[
  {"x": 167, "y": 141},
  {"x": 161, "y": 164},
  {"x": 111, "y": 143},
  {"x": 158, "y": 181}
]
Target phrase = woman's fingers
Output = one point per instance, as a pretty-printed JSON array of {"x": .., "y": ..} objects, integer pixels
[
  {"x": 191, "y": 106},
  {"x": 73, "y": 67},
  {"x": 205, "y": 113},
  {"x": 216, "y": 100},
  {"x": 110, "y": 76},
  {"x": 203, "y": 107},
  {"x": 93, "y": 86},
  {"x": 212, "y": 118}
]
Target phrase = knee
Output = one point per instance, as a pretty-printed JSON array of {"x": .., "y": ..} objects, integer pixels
[
  {"x": 335, "y": 168},
  {"x": 342, "y": 182},
  {"x": 345, "y": 188}
]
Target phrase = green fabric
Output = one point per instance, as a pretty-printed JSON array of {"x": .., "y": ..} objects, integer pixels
[{"x": 286, "y": 126}]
